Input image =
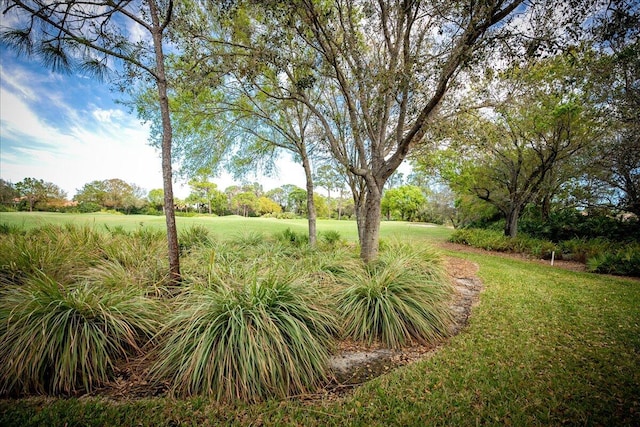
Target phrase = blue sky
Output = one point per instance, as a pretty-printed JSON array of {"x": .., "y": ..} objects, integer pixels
[{"x": 67, "y": 129}]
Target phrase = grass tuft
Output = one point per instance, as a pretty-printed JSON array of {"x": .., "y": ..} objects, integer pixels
[
  {"x": 401, "y": 297},
  {"x": 268, "y": 338},
  {"x": 65, "y": 339}
]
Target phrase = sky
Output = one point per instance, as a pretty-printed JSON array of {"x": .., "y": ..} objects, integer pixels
[{"x": 67, "y": 129}]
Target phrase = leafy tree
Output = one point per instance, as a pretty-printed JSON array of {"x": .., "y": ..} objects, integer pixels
[
  {"x": 614, "y": 173},
  {"x": 515, "y": 151},
  {"x": 89, "y": 34},
  {"x": 206, "y": 193},
  {"x": 267, "y": 206},
  {"x": 387, "y": 66},
  {"x": 407, "y": 200},
  {"x": 32, "y": 190},
  {"x": 8, "y": 192},
  {"x": 244, "y": 203},
  {"x": 296, "y": 201},
  {"x": 112, "y": 194},
  {"x": 156, "y": 198}
]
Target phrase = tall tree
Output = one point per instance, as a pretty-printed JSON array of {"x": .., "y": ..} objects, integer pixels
[
  {"x": 518, "y": 149},
  {"x": 615, "y": 76},
  {"x": 90, "y": 33},
  {"x": 204, "y": 192},
  {"x": 38, "y": 191},
  {"x": 388, "y": 65},
  {"x": 8, "y": 192}
]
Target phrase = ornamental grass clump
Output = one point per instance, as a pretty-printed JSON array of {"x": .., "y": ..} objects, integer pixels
[
  {"x": 268, "y": 338},
  {"x": 61, "y": 252},
  {"x": 401, "y": 297},
  {"x": 63, "y": 339}
]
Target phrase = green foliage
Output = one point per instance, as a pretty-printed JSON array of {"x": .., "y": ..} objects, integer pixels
[
  {"x": 570, "y": 224},
  {"x": 293, "y": 238},
  {"x": 582, "y": 249},
  {"x": 66, "y": 338},
  {"x": 399, "y": 298},
  {"x": 405, "y": 202},
  {"x": 61, "y": 252},
  {"x": 624, "y": 261},
  {"x": 195, "y": 235},
  {"x": 331, "y": 237},
  {"x": 600, "y": 255},
  {"x": 268, "y": 337}
]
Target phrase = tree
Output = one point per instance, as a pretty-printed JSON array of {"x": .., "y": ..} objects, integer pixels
[
  {"x": 111, "y": 194},
  {"x": 615, "y": 80},
  {"x": 205, "y": 193},
  {"x": 244, "y": 203},
  {"x": 89, "y": 34},
  {"x": 407, "y": 200},
  {"x": 32, "y": 190},
  {"x": 156, "y": 198},
  {"x": 516, "y": 150},
  {"x": 8, "y": 192},
  {"x": 267, "y": 206},
  {"x": 388, "y": 66}
]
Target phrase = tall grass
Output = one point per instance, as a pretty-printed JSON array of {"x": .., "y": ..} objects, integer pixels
[
  {"x": 267, "y": 338},
  {"x": 59, "y": 251},
  {"x": 62, "y": 339},
  {"x": 401, "y": 297}
]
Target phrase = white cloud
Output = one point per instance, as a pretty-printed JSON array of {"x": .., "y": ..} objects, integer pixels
[{"x": 107, "y": 116}]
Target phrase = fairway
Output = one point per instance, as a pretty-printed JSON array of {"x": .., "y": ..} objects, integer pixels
[{"x": 226, "y": 227}]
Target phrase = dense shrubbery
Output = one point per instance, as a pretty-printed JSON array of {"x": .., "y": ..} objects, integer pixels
[
  {"x": 571, "y": 224},
  {"x": 255, "y": 317},
  {"x": 600, "y": 255}
]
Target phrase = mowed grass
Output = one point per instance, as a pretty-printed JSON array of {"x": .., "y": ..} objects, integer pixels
[
  {"x": 544, "y": 346},
  {"x": 226, "y": 227}
]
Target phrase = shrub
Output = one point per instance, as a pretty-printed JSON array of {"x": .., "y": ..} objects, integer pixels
[
  {"x": 266, "y": 338},
  {"x": 331, "y": 237},
  {"x": 293, "y": 238},
  {"x": 624, "y": 261},
  {"x": 196, "y": 235},
  {"x": 63, "y": 339},
  {"x": 400, "y": 297},
  {"x": 491, "y": 240}
]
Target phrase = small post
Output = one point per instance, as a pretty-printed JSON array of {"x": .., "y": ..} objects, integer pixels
[{"x": 553, "y": 255}]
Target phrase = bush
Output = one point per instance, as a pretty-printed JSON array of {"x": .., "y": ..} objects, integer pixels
[
  {"x": 194, "y": 236},
  {"x": 624, "y": 261},
  {"x": 331, "y": 237},
  {"x": 582, "y": 249},
  {"x": 571, "y": 224},
  {"x": 293, "y": 238},
  {"x": 266, "y": 338},
  {"x": 401, "y": 297},
  {"x": 492, "y": 240},
  {"x": 64, "y": 339}
]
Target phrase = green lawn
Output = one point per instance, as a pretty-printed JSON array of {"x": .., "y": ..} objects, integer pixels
[
  {"x": 544, "y": 346},
  {"x": 225, "y": 226}
]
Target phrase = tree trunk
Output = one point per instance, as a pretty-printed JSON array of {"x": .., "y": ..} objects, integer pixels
[
  {"x": 371, "y": 230},
  {"x": 167, "y": 135},
  {"x": 311, "y": 206},
  {"x": 511, "y": 226}
]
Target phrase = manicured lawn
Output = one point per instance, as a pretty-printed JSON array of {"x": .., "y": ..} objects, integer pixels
[
  {"x": 544, "y": 346},
  {"x": 225, "y": 226}
]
